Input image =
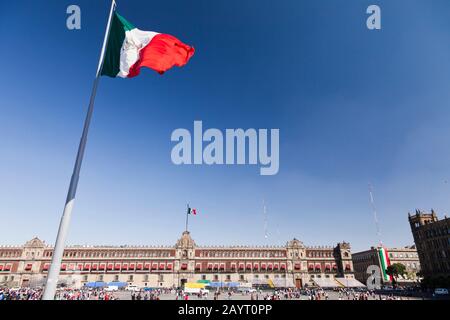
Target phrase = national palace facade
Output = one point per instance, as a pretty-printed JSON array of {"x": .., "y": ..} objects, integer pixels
[{"x": 292, "y": 265}]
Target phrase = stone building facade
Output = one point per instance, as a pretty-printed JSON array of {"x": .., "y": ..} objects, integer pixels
[
  {"x": 432, "y": 239},
  {"x": 292, "y": 265}
]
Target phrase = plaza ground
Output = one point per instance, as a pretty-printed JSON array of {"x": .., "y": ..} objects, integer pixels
[{"x": 126, "y": 295}]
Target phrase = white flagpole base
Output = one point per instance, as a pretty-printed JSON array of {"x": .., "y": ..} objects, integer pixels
[{"x": 53, "y": 274}]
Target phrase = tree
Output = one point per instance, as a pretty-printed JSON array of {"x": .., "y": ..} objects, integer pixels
[{"x": 394, "y": 271}]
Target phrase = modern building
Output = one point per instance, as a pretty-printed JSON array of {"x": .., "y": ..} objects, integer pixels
[
  {"x": 383, "y": 257},
  {"x": 292, "y": 265},
  {"x": 432, "y": 238}
]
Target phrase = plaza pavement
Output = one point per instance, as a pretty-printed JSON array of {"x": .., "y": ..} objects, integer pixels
[{"x": 126, "y": 295}]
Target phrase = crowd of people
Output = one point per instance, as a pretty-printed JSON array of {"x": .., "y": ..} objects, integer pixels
[
  {"x": 149, "y": 295},
  {"x": 280, "y": 294},
  {"x": 61, "y": 294},
  {"x": 179, "y": 294},
  {"x": 351, "y": 294},
  {"x": 85, "y": 294},
  {"x": 20, "y": 294}
]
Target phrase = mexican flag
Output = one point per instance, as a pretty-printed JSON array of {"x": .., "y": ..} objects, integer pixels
[
  {"x": 128, "y": 49},
  {"x": 192, "y": 211},
  {"x": 385, "y": 262}
]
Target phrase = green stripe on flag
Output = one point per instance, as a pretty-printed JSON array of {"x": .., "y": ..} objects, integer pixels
[
  {"x": 383, "y": 264},
  {"x": 125, "y": 23},
  {"x": 111, "y": 64}
]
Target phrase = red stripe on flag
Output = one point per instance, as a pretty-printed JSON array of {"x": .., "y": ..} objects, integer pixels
[{"x": 162, "y": 53}]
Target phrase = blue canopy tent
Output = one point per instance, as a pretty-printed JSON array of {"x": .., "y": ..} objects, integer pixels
[
  {"x": 98, "y": 284},
  {"x": 223, "y": 284},
  {"x": 233, "y": 284},
  {"x": 216, "y": 284},
  {"x": 118, "y": 284}
]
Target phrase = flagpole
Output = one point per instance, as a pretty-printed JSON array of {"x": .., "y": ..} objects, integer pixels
[
  {"x": 53, "y": 274},
  {"x": 187, "y": 217}
]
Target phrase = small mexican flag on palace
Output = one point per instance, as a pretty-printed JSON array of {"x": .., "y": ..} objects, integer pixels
[
  {"x": 129, "y": 49},
  {"x": 192, "y": 211}
]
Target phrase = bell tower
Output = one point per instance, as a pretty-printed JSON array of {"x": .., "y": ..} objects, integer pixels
[
  {"x": 296, "y": 253},
  {"x": 184, "y": 258}
]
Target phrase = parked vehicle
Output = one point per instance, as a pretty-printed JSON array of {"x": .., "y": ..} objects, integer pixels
[
  {"x": 246, "y": 290},
  {"x": 195, "y": 290},
  {"x": 132, "y": 288},
  {"x": 112, "y": 288},
  {"x": 440, "y": 291}
]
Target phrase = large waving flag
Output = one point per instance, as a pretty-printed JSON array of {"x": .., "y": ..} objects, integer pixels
[
  {"x": 385, "y": 262},
  {"x": 125, "y": 50},
  {"x": 129, "y": 49}
]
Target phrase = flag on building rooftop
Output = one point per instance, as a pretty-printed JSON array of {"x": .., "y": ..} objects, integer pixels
[
  {"x": 192, "y": 211},
  {"x": 129, "y": 49}
]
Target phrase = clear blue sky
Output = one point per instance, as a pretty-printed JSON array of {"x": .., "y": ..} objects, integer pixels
[{"x": 353, "y": 106}]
